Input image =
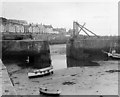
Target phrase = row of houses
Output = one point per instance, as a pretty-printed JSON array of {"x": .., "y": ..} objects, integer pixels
[
  {"x": 21, "y": 26},
  {"x": 9, "y": 25}
]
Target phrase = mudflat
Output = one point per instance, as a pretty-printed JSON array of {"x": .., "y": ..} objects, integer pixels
[{"x": 95, "y": 80}]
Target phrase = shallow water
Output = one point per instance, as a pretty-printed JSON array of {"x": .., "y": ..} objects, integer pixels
[{"x": 59, "y": 61}]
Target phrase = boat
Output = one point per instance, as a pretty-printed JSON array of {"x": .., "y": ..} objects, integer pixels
[
  {"x": 40, "y": 72},
  {"x": 114, "y": 55},
  {"x": 52, "y": 92}
]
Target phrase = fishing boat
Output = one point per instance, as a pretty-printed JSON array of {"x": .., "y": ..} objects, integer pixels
[
  {"x": 40, "y": 72},
  {"x": 114, "y": 55},
  {"x": 52, "y": 92}
]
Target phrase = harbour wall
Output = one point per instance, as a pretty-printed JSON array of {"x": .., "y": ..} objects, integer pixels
[
  {"x": 89, "y": 49},
  {"x": 37, "y": 52}
]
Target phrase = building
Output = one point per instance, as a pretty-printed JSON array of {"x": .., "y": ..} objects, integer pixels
[
  {"x": 10, "y": 25},
  {"x": 3, "y": 22},
  {"x": 48, "y": 29},
  {"x": 70, "y": 31},
  {"x": 21, "y": 26},
  {"x": 36, "y": 28},
  {"x": 41, "y": 28},
  {"x": 60, "y": 30}
]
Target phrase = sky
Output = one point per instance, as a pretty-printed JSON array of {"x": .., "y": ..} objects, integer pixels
[{"x": 100, "y": 17}]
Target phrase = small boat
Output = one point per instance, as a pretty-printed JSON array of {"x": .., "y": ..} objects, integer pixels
[
  {"x": 113, "y": 54},
  {"x": 51, "y": 92},
  {"x": 40, "y": 72}
]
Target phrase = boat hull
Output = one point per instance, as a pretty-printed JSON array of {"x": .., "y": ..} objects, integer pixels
[
  {"x": 38, "y": 75},
  {"x": 115, "y": 57},
  {"x": 50, "y": 94},
  {"x": 40, "y": 72}
]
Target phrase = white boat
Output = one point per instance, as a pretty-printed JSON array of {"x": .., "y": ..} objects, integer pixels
[
  {"x": 46, "y": 91},
  {"x": 40, "y": 72},
  {"x": 113, "y": 54}
]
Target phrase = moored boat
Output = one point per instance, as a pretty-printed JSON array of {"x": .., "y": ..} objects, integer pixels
[
  {"x": 114, "y": 55},
  {"x": 40, "y": 72},
  {"x": 117, "y": 56},
  {"x": 52, "y": 92}
]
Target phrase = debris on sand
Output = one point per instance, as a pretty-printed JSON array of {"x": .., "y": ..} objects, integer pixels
[
  {"x": 6, "y": 90},
  {"x": 36, "y": 81},
  {"x": 90, "y": 75},
  {"x": 15, "y": 77},
  {"x": 112, "y": 71},
  {"x": 68, "y": 83},
  {"x": 17, "y": 83},
  {"x": 73, "y": 74}
]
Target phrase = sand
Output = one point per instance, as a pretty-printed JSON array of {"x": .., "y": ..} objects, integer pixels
[{"x": 71, "y": 81}]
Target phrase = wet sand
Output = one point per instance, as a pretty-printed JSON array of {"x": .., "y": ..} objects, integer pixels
[{"x": 71, "y": 81}]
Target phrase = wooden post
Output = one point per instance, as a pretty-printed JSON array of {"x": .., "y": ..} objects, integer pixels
[{"x": 75, "y": 29}]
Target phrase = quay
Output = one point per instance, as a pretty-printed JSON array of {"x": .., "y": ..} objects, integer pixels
[{"x": 7, "y": 86}]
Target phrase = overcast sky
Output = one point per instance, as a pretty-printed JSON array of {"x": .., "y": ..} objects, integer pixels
[{"x": 100, "y": 17}]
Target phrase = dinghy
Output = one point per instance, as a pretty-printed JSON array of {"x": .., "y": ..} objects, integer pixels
[
  {"x": 51, "y": 92},
  {"x": 113, "y": 54}
]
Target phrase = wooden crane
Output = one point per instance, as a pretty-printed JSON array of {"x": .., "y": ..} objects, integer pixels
[{"x": 82, "y": 28}]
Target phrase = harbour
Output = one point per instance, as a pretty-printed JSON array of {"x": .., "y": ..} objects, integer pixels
[
  {"x": 59, "y": 49},
  {"x": 62, "y": 74},
  {"x": 74, "y": 73}
]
